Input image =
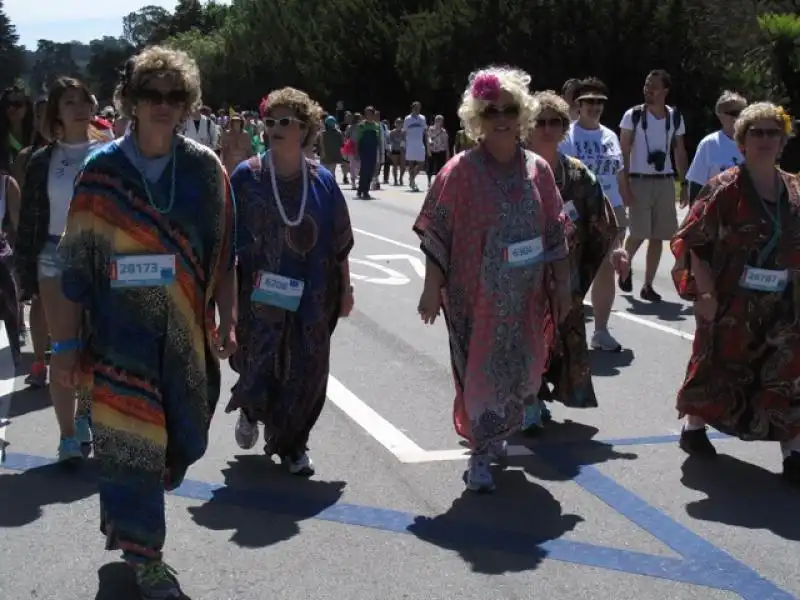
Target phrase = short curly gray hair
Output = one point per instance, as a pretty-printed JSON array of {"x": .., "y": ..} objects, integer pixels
[
  {"x": 761, "y": 111},
  {"x": 158, "y": 61}
]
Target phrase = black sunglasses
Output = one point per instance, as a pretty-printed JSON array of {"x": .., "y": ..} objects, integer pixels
[
  {"x": 172, "y": 98},
  {"x": 269, "y": 122},
  {"x": 592, "y": 101},
  {"x": 510, "y": 111},
  {"x": 770, "y": 133},
  {"x": 555, "y": 123},
  {"x": 733, "y": 113}
]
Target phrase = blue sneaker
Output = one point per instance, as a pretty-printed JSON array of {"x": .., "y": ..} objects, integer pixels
[
  {"x": 83, "y": 430},
  {"x": 69, "y": 450}
]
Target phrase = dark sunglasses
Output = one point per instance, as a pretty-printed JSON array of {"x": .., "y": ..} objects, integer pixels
[
  {"x": 555, "y": 123},
  {"x": 733, "y": 113},
  {"x": 16, "y": 104},
  {"x": 172, "y": 98},
  {"x": 770, "y": 133},
  {"x": 510, "y": 111},
  {"x": 269, "y": 122},
  {"x": 593, "y": 101}
]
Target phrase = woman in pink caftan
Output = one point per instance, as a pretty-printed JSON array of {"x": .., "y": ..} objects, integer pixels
[{"x": 494, "y": 237}]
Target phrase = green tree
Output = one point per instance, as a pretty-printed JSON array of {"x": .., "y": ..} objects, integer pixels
[
  {"x": 11, "y": 56},
  {"x": 53, "y": 60},
  {"x": 148, "y": 25},
  {"x": 782, "y": 37},
  {"x": 188, "y": 15},
  {"x": 107, "y": 55}
]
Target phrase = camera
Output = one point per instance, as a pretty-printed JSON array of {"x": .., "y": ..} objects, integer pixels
[{"x": 657, "y": 158}]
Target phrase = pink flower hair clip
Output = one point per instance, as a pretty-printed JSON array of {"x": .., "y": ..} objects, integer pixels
[
  {"x": 263, "y": 106},
  {"x": 486, "y": 87}
]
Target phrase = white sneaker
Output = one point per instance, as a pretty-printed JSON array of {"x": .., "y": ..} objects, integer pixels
[
  {"x": 302, "y": 465},
  {"x": 479, "y": 476},
  {"x": 246, "y": 432},
  {"x": 602, "y": 340}
]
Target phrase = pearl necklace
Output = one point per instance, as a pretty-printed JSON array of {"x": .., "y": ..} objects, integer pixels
[{"x": 277, "y": 196}]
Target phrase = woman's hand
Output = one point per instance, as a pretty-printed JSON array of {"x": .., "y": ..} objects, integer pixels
[
  {"x": 705, "y": 306},
  {"x": 561, "y": 301},
  {"x": 621, "y": 262},
  {"x": 430, "y": 303},
  {"x": 348, "y": 301},
  {"x": 224, "y": 339}
]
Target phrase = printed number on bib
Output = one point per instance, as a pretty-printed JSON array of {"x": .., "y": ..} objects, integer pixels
[
  {"x": 523, "y": 254},
  {"x": 142, "y": 270},
  {"x": 571, "y": 211},
  {"x": 764, "y": 280},
  {"x": 277, "y": 290}
]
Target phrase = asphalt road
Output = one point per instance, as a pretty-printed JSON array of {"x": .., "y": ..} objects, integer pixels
[{"x": 603, "y": 505}]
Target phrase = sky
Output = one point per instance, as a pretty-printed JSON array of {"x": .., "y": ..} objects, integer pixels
[{"x": 67, "y": 20}]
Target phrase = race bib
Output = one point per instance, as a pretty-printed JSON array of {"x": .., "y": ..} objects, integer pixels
[
  {"x": 571, "y": 211},
  {"x": 142, "y": 270},
  {"x": 523, "y": 254},
  {"x": 764, "y": 280},
  {"x": 277, "y": 290}
]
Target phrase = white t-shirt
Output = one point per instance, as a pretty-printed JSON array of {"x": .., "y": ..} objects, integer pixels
[
  {"x": 656, "y": 139},
  {"x": 415, "y": 127},
  {"x": 599, "y": 150},
  {"x": 66, "y": 161},
  {"x": 715, "y": 153},
  {"x": 203, "y": 131}
]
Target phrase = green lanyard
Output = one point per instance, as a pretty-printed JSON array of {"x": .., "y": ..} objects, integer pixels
[
  {"x": 776, "y": 232},
  {"x": 14, "y": 144}
]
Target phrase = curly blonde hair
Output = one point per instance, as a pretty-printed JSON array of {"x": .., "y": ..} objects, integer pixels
[
  {"x": 513, "y": 81},
  {"x": 549, "y": 99},
  {"x": 761, "y": 111},
  {"x": 301, "y": 104},
  {"x": 158, "y": 61}
]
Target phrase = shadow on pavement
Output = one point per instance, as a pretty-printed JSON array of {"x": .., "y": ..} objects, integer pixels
[
  {"x": 501, "y": 532},
  {"x": 28, "y": 400},
  {"x": 741, "y": 494},
  {"x": 608, "y": 364},
  {"x": 263, "y": 504},
  {"x": 664, "y": 310},
  {"x": 23, "y": 496},
  {"x": 562, "y": 448}
]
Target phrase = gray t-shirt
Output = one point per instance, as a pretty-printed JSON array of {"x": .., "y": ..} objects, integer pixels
[{"x": 150, "y": 168}]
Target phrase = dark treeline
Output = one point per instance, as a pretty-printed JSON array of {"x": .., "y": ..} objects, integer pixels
[{"x": 390, "y": 52}]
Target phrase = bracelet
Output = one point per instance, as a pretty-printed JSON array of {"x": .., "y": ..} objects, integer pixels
[{"x": 65, "y": 346}]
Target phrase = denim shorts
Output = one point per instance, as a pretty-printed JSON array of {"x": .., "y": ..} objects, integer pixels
[{"x": 50, "y": 262}]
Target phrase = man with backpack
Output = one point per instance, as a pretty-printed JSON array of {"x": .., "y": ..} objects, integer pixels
[{"x": 649, "y": 135}]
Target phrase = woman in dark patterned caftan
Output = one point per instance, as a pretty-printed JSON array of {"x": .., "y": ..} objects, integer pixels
[
  {"x": 294, "y": 239},
  {"x": 592, "y": 234},
  {"x": 738, "y": 258}
]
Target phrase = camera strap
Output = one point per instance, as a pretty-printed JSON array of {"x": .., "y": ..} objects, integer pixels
[{"x": 640, "y": 115}]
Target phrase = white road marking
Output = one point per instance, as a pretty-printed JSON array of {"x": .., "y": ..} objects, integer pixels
[
  {"x": 621, "y": 314},
  {"x": 7, "y": 375},
  {"x": 392, "y": 277},
  {"x": 386, "y": 434},
  {"x": 416, "y": 263}
]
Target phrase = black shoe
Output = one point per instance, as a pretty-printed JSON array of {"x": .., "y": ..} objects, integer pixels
[
  {"x": 626, "y": 285},
  {"x": 695, "y": 442},
  {"x": 649, "y": 294},
  {"x": 791, "y": 469}
]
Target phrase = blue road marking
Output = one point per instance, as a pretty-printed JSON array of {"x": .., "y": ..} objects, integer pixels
[{"x": 702, "y": 563}]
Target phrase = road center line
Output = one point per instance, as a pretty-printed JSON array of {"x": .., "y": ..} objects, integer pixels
[
  {"x": 621, "y": 314},
  {"x": 386, "y": 434}
]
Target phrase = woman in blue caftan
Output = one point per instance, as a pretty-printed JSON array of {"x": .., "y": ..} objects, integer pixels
[{"x": 293, "y": 240}]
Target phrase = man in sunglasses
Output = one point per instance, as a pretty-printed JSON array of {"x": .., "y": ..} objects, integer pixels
[{"x": 717, "y": 152}]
